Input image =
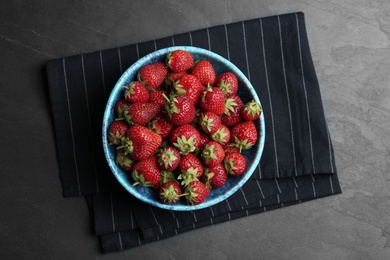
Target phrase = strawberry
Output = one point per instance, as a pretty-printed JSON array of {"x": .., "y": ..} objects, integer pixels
[
  {"x": 210, "y": 122},
  {"x": 172, "y": 77},
  {"x": 190, "y": 86},
  {"x": 120, "y": 106},
  {"x": 124, "y": 160},
  {"x": 251, "y": 111},
  {"x": 168, "y": 158},
  {"x": 179, "y": 60},
  {"x": 141, "y": 113},
  {"x": 243, "y": 135},
  {"x": 212, "y": 100},
  {"x": 234, "y": 163},
  {"x": 215, "y": 177},
  {"x": 136, "y": 92},
  {"x": 228, "y": 148},
  {"x": 169, "y": 192},
  {"x": 204, "y": 71},
  {"x": 157, "y": 97},
  {"x": 180, "y": 110},
  {"x": 152, "y": 75},
  {"x": 140, "y": 142},
  {"x": 232, "y": 114},
  {"x": 196, "y": 192},
  {"x": 116, "y": 131},
  {"x": 204, "y": 139},
  {"x": 212, "y": 154},
  {"x": 186, "y": 138},
  {"x": 146, "y": 172},
  {"x": 160, "y": 125},
  {"x": 222, "y": 135},
  {"x": 191, "y": 169},
  {"x": 228, "y": 83}
]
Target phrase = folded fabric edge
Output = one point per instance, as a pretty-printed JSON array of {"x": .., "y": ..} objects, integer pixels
[{"x": 124, "y": 240}]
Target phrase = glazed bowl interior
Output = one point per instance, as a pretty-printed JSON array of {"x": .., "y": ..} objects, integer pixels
[{"x": 245, "y": 91}]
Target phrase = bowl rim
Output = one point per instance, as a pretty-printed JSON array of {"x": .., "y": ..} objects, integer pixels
[{"x": 109, "y": 110}]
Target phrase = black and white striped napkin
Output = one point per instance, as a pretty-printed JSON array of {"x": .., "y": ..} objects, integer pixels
[{"x": 298, "y": 162}]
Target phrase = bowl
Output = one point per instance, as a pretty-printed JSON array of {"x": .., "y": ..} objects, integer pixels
[{"x": 245, "y": 91}]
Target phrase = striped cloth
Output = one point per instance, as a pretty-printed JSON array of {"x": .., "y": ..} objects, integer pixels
[{"x": 298, "y": 161}]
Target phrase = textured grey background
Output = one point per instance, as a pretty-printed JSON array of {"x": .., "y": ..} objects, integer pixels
[{"x": 350, "y": 47}]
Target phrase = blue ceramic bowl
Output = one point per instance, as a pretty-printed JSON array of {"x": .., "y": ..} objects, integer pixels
[{"x": 245, "y": 91}]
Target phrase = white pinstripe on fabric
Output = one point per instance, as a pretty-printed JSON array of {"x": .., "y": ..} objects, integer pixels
[
  {"x": 190, "y": 34},
  {"x": 314, "y": 190},
  {"x": 71, "y": 129},
  {"x": 89, "y": 123},
  {"x": 287, "y": 97},
  {"x": 331, "y": 184},
  {"x": 246, "y": 52},
  {"x": 102, "y": 70},
  {"x": 277, "y": 185},
  {"x": 270, "y": 101},
  {"x": 208, "y": 38},
  {"x": 120, "y": 240},
  {"x": 306, "y": 99},
  {"x": 132, "y": 219},
  {"x": 155, "y": 219},
  {"x": 137, "y": 49},
  {"x": 112, "y": 213},
  {"x": 243, "y": 194},
  {"x": 261, "y": 190},
  {"x": 227, "y": 43},
  {"x": 173, "y": 41},
  {"x": 120, "y": 60}
]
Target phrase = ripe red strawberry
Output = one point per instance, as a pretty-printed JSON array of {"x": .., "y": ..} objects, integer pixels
[
  {"x": 210, "y": 122},
  {"x": 146, "y": 172},
  {"x": 251, "y": 111},
  {"x": 204, "y": 71},
  {"x": 160, "y": 125},
  {"x": 140, "y": 142},
  {"x": 152, "y": 75},
  {"x": 120, "y": 106},
  {"x": 243, "y": 135},
  {"x": 229, "y": 148},
  {"x": 204, "y": 139},
  {"x": 212, "y": 100},
  {"x": 180, "y": 110},
  {"x": 157, "y": 97},
  {"x": 179, "y": 60},
  {"x": 234, "y": 163},
  {"x": 222, "y": 135},
  {"x": 168, "y": 158},
  {"x": 191, "y": 169},
  {"x": 141, "y": 113},
  {"x": 215, "y": 177},
  {"x": 172, "y": 77},
  {"x": 196, "y": 192},
  {"x": 124, "y": 160},
  {"x": 185, "y": 138},
  {"x": 190, "y": 86},
  {"x": 169, "y": 192},
  {"x": 136, "y": 92},
  {"x": 116, "y": 131},
  {"x": 212, "y": 154},
  {"x": 232, "y": 114},
  {"x": 228, "y": 83}
]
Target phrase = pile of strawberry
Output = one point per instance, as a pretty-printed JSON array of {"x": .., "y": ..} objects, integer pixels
[{"x": 180, "y": 129}]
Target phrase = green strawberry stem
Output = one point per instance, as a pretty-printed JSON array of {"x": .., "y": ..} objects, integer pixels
[{"x": 126, "y": 145}]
